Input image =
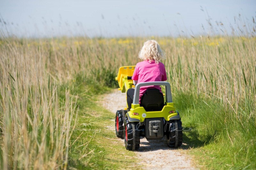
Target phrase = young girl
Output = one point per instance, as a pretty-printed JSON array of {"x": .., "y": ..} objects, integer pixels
[{"x": 150, "y": 69}]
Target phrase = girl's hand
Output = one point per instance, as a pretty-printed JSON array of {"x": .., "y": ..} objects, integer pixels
[{"x": 135, "y": 82}]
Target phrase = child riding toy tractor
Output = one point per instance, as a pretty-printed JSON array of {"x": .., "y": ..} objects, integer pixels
[{"x": 154, "y": 117}]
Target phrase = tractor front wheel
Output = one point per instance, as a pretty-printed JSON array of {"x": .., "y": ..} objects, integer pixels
[
  {"x": 131, "y": 136},
  {"x": 119, "y": 123}
]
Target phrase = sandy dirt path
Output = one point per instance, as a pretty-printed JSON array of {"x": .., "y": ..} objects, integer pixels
[{"x": 152, "y": 155}]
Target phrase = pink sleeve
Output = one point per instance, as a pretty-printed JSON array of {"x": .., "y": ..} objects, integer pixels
[
  {"x": 135, "y": 73},
  {"x": 164, "y": 78}
]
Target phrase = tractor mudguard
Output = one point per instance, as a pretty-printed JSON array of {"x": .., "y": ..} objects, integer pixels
[
  {"x": 131, "y": 119},
  {"x": 177, "y": 117}
]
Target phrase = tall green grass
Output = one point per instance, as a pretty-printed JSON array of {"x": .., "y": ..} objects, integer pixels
[
  {"x": 224, "y": 141},
  {"x": 212, "y": 79}
]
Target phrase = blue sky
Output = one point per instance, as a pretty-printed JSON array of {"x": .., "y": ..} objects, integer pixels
[{"x": 115, "y": 18}]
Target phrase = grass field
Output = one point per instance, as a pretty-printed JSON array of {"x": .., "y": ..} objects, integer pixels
[{"x": 43, "y": 81}]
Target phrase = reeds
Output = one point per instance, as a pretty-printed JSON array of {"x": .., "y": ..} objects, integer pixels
[
  {"x": 35, "y": 121},
  {"x": 221, "y": 67}
]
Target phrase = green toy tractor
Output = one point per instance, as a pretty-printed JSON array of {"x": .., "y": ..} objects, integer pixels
[{"x": 153, "y": 118}]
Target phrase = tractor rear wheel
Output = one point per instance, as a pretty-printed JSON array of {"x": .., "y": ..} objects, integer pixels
[
  {"x": 131, "y": 136},
  {"x": 174, "y": 136}
]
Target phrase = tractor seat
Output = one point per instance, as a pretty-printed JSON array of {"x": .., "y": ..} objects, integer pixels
[{"x": 152, "y": 100}]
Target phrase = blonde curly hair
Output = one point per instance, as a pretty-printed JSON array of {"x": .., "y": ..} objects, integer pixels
[{"x": 151, "y": 51}]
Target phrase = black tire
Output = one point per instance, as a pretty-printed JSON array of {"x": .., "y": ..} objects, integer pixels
[
  {"x": 174, "y": 136},
  {"x": 131, "y": 136},
  {"x": 119, "y": 123}
]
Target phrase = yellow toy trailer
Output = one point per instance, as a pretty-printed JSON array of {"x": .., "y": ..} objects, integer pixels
[
  {"x": 154, "y": 117},
  {"x": 124, "y": 78}
]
